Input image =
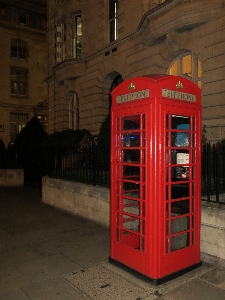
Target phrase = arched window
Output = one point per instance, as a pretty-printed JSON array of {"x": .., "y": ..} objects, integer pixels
[
  {"x": 74, "y": 112},
  {"x": 18, "y": 49},
  {"x": 187, "y": 65}
]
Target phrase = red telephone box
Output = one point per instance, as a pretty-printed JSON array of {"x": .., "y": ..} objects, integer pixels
[{"x": 156, "y": 176}]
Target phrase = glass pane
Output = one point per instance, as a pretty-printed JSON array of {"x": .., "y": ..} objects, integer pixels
[
  {"x": 14, "y": 89},
  {"x": 78, "y": 46},
  {"x": 14, "y": 74},
  {"x": 131, "y": 223},
  {"x": 179, "y": 225},
  {"x": 132, "y": 156},
  {"x": 131, "y": 173},
  {"x": 187, "y": 66},
  {"x": 181, "y": 139},
  {"x": 180, "y": 207},
  {"x": 14, "y": 52},
  {"x": 173, "y": 69},
  {"x": 78, "y": 26},
  {"x": 131, "y": 189},
  {"x": 132, "y": 122},
  {"x": 132, "y": 139},
  {"x": 131, "y": 206},
  {"x": 23, "y": 17},
  {"x": 179, "y": 191},
  {"x": 23, "y": 89},
  {"x": 180, "y": 122},
  {"x": 180, "y": 173},
  {"x": 180, "y": 241},
  {"x": 13, "y": 117}
]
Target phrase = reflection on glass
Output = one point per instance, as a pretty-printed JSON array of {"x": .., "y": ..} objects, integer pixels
[{"x": 131, "y": 139}]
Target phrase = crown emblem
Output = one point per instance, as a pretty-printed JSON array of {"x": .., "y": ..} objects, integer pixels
[
  {"x": 131, "y": 86},
  {"x": 179, "y": 85}
]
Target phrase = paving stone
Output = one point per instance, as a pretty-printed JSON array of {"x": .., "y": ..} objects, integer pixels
[
  {"x": 16, "y": 294},
  {"x": 101, "y": 283},
  {"x": 196, "y": 290},
  {"x": 47, "y": 267},
  {"x": 55, "y": 289},
  {"x": 11, "y": 278}
]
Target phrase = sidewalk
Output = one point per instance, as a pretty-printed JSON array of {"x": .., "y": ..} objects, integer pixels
[{"x": 48, "y": 254}]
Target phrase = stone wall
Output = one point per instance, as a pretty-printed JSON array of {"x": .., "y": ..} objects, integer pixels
[
  {"x": 213, "y": 234},
  {"x": 11, "y": 177},
  {"x": 93, "y": 203}
]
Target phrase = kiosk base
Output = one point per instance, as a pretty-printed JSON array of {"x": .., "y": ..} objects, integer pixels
[{"x": 152, "y": 280}]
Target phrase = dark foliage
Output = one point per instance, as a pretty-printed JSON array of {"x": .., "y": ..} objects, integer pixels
[{"x": 28, "y": 147}]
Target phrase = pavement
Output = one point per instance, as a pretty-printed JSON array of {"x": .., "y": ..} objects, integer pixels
[{"x": 47, "y": 254}]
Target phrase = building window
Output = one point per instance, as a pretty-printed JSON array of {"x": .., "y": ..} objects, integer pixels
[
  {"x": 77, "y": 40},
  {"x": 23, "y": 17},
  {"x": 17, "y": 16},
  {"x": 44, "y": 122},
  {"x": 60, "y": 42},
  {"x": 18, "y": 82},
  {"x": 187, "y": 65},
  {"x": 13, "y": 15},
  {"x": 74, "y": 112},
  {"x": 113, "y": 19},
  {"x": 18, "y": 49},
  {"x": 17, "y": 122}
]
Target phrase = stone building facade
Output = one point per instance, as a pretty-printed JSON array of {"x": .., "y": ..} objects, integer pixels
[
  {"x": 95, "y": 44},
  {"x": 23, "y": 61}
]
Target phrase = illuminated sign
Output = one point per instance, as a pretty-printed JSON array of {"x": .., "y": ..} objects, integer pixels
[
  {"x": 178, "y": 95},
  {"x": 133, "y": 96}
]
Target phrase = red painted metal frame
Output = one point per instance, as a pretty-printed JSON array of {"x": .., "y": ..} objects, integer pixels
[{"x": 148, "y": 248}]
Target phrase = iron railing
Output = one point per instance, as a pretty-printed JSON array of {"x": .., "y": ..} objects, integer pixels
[
  {"x": 88, "y": 164},
  {"x": 213, "y": 172}
]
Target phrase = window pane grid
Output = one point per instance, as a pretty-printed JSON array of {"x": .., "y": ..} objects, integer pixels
[{"x": 18, "y": 82}]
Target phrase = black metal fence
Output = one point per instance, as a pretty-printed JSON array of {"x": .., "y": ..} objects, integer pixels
[
  {"x": 88, "y": 164},
  {"x": 213, "y": 172},
  {"x": 91, "y": 164}
]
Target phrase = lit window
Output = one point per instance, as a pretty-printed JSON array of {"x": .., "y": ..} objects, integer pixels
[
  {"x": 44, "y": 122},
  {"x": 60, "y": 42},
  {"x": 187, "y": 65},
  {"x": 18, "y": 82},
  {"x": 77, "y": 40},
  {"x": 74, "y": 112},
  {"x": 17, "y": 122},
  {"x": 113, "y": 19},
  {"x": 18, "y": 49}
]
